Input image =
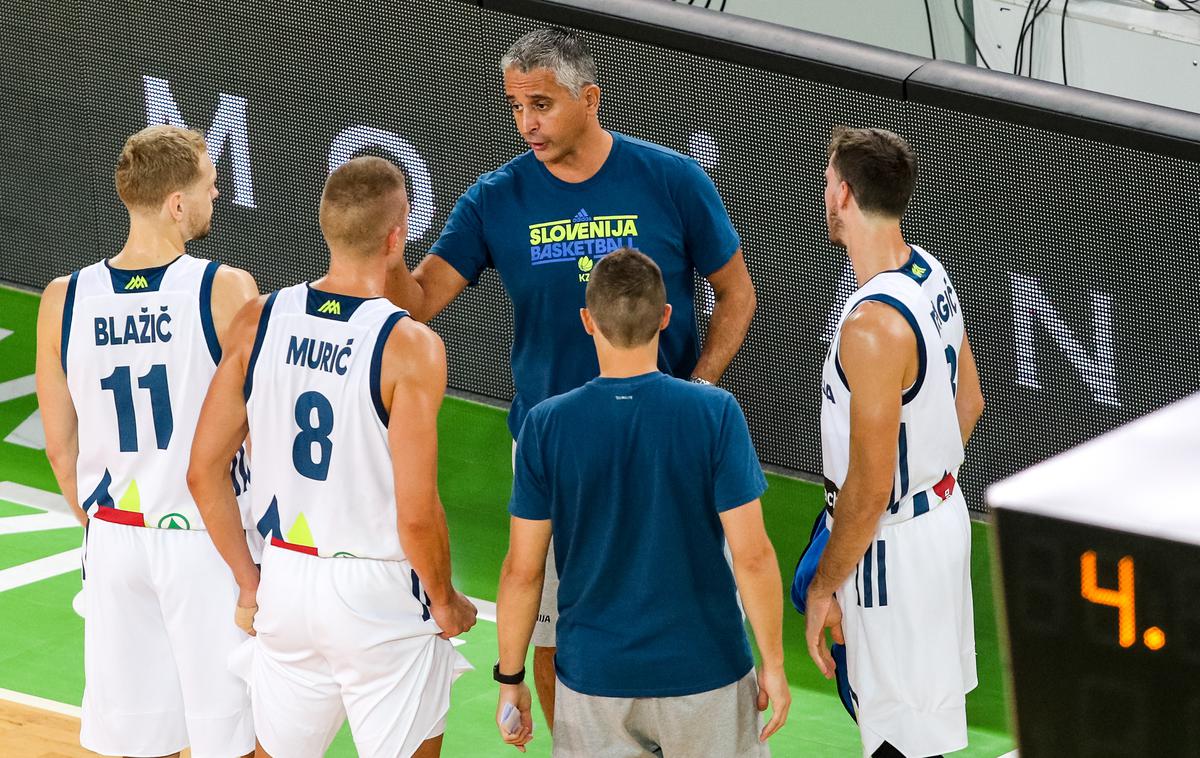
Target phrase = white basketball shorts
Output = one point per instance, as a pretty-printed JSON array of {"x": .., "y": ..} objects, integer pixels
[
  {"x": 158, "y": 630},
  {"x": 910, "y": 635},
  {"x": 345, "y": 637}
]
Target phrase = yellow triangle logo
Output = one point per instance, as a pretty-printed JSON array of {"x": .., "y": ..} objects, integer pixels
[
  {"x": 331, "y": 306},
  {"x": 137, "y": 283},
  {"x": 300, "y": 534},
  {"x": 132, "y": 500}
]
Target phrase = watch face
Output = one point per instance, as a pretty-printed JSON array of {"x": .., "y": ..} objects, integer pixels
[{"x": 1104, "y": 639}]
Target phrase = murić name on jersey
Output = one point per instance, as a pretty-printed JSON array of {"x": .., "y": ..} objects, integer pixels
[
  {"x": 319, "y": 354},
  {"x": 140, "y": 329}
]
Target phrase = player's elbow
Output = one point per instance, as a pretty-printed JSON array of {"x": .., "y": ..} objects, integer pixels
[
  {"x": 971, "y": 405},
  {"x": 62, "y": 456},
  {"x": 522, "y": 571},
  {"x": 200, "y": 475},
  {"x": 756, "y": 558}
]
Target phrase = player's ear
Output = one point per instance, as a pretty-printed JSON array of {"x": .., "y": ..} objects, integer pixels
[
  {"x": 173, "y": 205},
  {"x": 666, "y": 317},
  {"x": 589, "y": 326}
]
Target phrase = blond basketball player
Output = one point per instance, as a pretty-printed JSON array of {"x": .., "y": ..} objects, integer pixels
[
  {"x": 339, "y": 390},
  {"x": 126, "y": 349}
]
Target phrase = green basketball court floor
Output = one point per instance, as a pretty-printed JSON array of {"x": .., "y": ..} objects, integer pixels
[{"x": 41, "y": 636}]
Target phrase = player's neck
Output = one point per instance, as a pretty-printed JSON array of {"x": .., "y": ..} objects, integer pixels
[
  {"x": 588, "y": 157},
  {"x": 149, "y": 245},
  {"x": 619, "y": 363},
  {"x": 359, "y": 279},
  {"x": 875, "y": 247}
]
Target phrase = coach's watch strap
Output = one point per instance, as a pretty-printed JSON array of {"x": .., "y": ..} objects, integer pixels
[
  {"x": 701, "y": 380},
  {"x": 516, "y": 678}
]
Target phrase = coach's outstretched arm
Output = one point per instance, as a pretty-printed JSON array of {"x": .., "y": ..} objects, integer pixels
[
  {"x": 878, "y": 353},
  {"x": 59, "y": 420},
  {"x": 730, "y": 321},
  {"x": 756, "y": 570},
  {"x": 427, "y": 289},
  {"x": 219, "y": 433},
  {"x": 414, "y": 364}
]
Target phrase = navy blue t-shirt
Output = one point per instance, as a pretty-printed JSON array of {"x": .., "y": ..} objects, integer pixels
[
  {"x": 544, "y": 235},
  {"x": 633, "y": 475}
]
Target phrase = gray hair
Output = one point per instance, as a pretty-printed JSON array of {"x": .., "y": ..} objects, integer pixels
[{"x": 561, "y": 51}]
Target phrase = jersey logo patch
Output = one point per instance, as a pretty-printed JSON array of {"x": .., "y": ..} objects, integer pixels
[
  {"x": 174, "y": 521},
  {"x": 137, "y": 283},
  {"x": 332, "y": 307}
]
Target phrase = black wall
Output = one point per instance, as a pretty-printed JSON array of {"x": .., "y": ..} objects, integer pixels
[{"x": 1066, "y": 219}]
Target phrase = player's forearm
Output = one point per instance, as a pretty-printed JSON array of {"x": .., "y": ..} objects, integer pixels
[
  {"x": 517, "y": 604},
  {"x": 64, "y": 459},
  {"x": 970, "y": 409},
  {"x": 213, "y": 493},
  {"x": 727, "y": 330},
  {"x": 855, "y": 522},
  {"x": 426, "y": 543},
  {"x": 762, "y": 596}
]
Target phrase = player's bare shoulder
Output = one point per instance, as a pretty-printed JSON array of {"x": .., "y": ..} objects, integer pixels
[
  {"x": 50, "y": 312},
  {"x": 413, "y": 346},
  {"x": 232, "y": 288},
  {"x": 877, "y": 329}
]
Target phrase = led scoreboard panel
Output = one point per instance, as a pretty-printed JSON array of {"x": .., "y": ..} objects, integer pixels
[{"x": 1099, "y": 562}]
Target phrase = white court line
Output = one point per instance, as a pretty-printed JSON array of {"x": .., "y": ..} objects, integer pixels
[
  {"x": 43, "y": 568},
  {"x": 40, "y": 702},
  {"x": 36, "y": 522},
  {"x": 1013, "y": 754},
  {"x": 51, "y": 502},
  {"x": 19, "y": 387}
]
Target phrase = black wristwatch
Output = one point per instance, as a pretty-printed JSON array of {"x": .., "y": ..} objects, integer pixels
[
  {"x": 701, "y": 380},
  {"x": 516, "y": 678}
]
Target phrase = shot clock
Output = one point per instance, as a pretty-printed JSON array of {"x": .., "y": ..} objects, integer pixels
[{"x": 1099, "y": 572}]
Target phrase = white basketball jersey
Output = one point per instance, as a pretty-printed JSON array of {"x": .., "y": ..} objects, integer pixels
[
  {"x": 139, "y": 350},
  {"x": 322, "y": 466},
  {"x": 929, "y": 448}
]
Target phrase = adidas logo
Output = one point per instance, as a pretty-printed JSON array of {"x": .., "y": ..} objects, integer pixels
[
  {"x": 332, "y": 307},
  {"x": 137, "y": 283},
  {"x": 581, "y": 217}
]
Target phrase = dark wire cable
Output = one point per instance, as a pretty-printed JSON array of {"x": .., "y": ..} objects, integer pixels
[
  {"x": 929, "y": 23},
  {"x": 970, "y": 33},
  {"x": 1062, "y": 39},
  {"x": 1027, "y": 23},
  {"x": 1041, "y": 9},
  {"x": 1019, "y": 58}
]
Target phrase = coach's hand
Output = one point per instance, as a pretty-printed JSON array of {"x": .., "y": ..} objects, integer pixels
[
  {"x": 518, "y": 696},
  {"x": 454, "y": 617},
  {"x": 247, "y": 607},
  {"x": 823, "y": 611},
  {"x": 773, "y": 690}
]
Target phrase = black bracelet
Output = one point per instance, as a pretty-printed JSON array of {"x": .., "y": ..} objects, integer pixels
[{"x": 516, "y": 678}]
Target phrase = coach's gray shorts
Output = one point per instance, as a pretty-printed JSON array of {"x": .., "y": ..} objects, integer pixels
[{"x": 720, "y": 723}]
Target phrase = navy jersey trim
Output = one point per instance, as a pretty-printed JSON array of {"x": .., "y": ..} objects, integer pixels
[
  {"x": 258, "y": 343},
  {"x": 912, "y": 322},
  {"x": 916, "y": 267},
  {"x": 331, "y": 305},
  {"x": 837, "y": 364},
  {"x": 126, "y": 281},
  {"x": 920, "y": 503},
  {"x": 385, "y": 331},
  {"x": 68, "y": 312},
  {"x": 881, "y": 555},
  {"x": 206, "y": 317}
]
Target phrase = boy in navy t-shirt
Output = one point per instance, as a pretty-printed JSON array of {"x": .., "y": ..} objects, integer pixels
[{"x": 641, "y": 477}]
